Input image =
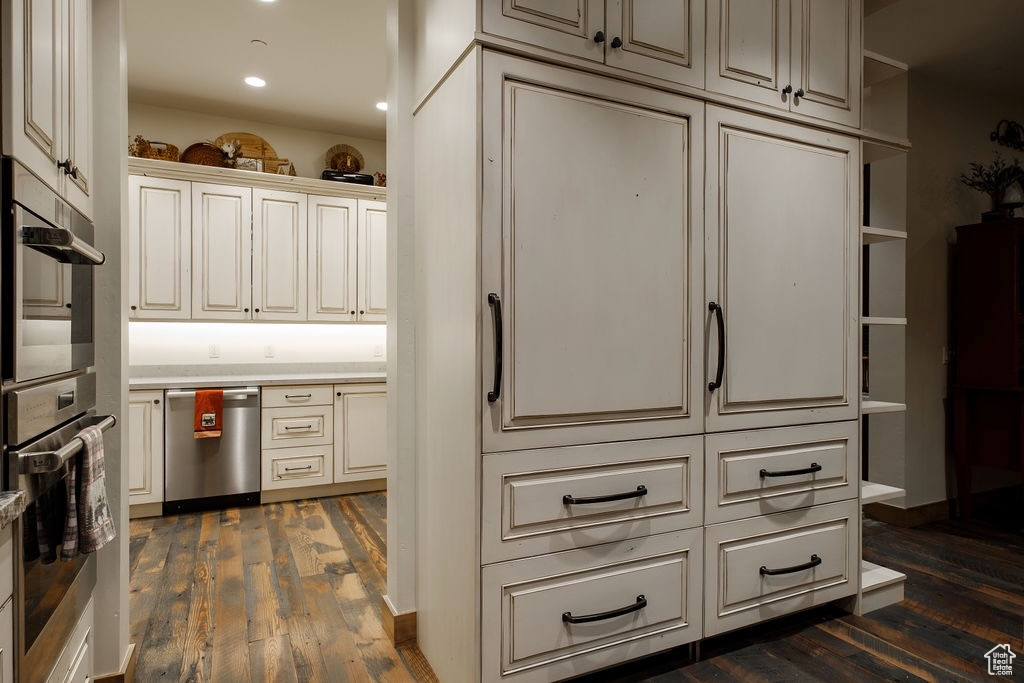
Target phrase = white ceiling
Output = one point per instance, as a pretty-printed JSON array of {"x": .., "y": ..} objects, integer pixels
[{"x": 325, "y": 62}]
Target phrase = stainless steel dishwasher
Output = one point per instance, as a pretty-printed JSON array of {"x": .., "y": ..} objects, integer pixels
[{"x": 201, "y": 474}]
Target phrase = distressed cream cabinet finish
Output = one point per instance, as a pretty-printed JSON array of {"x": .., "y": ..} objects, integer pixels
[
  {"x": 145, "y": 447},
  {"x": 75, "y": 663},
  {"x": 331, "y": 261},
  {"x": 160, "y": 248},
  {"x": 662, "y": 38},
  {"x": 800, "y": 55},
  {"x": 782, "y": 234},
  {"x": 624, "y": 197},
  {"x": 372, "y": 261},
  {"x": 7, "y": 653},
  {"x": 47, "y": 103},
  {"x": 221, "y": 252},
  {"x": 279, "y": 255},
  {"x": 360, "y": 432}
]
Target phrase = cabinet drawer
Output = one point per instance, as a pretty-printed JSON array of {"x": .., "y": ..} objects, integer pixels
[
  {"x": 815, "y": 549},
  {"x": 281, "y": 397},
  {"x": 303, "y": 466},
  {"x": 528, "y": 602},
  {"x": 532, "y": 499},
  {"x": 766, "y": 471},
  {"x": 301, "y": 426}
]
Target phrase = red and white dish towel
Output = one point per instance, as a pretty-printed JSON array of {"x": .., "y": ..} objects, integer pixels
[{"x": 90, "y": 524}]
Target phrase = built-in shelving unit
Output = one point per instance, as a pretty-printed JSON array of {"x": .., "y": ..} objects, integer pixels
[
  {"x": 880, "y": 586},
  {"x": 870, "y": 492}
]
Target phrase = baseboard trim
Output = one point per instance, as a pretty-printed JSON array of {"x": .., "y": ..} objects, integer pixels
[
  {"x": 908, "y": 517},
  {"x": 145, "y": 510},
  {"x": 323, "y": 490},
  {"x": 127, "y": 672},
  {"x": 401, "y": 628}
]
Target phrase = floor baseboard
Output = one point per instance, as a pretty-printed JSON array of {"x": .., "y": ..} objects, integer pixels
[
  {"x": 401, "y": 628},
  {"x": 908, "y": 517},
  {"x": 127, "y": 673}
]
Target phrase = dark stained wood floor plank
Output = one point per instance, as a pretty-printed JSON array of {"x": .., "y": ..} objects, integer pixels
[
  {"x": 376, "y": 583},
  {"x": 374, "y": 545},
  {"x": 337, "y": 645},
  {"x": 261, "y": 603},
  {"x": 272, "y": 660},
  {"x": 230, "y": 634}
]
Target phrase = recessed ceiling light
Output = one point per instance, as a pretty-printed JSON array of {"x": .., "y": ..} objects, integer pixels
[
  {"x": 255, "y": 81},
  {"x": 383, "y": 106},
  {"x": 268, "y": 0}
]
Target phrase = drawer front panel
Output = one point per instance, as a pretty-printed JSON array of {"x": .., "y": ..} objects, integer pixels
[
  {"x": 767, "y": 471},
  {"x": 764, "y": 567},
  {"x": 302, "y": 426},
  {"x": 651, "y": 586},
  {"x": 291, "y": 467},
  {"x": 281, "y": 397},
  {"x": 542, "y": 500}
]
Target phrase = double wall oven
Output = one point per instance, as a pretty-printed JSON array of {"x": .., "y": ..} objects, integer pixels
[{"x": 47, "y": 350}]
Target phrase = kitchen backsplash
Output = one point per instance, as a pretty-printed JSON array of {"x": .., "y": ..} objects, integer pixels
[{"x": 192, "y": 343}]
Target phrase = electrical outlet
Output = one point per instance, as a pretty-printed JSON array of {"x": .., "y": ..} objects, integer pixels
[
  {"x": 268, "y": 351},
  {"x": 378, "y": 350},
  {"x": 214, "y": 350}
]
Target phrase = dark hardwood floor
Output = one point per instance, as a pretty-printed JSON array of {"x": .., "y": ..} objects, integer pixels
[{"x": 291, "y": 592}]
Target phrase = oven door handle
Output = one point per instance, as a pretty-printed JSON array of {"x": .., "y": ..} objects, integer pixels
[
  {"x": 42, "y": 462},
  {"x": 61, "y": 238}
]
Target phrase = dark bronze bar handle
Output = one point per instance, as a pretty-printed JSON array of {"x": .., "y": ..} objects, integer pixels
[
  {"x": 815, "y": 561},
  {"x": 300, "y": 427},
  {"x": 495, "y": 302},
  {"x": 720, "y": 317},
  {"x": 298, "y": 395},
  {"x": 815, "y": 467},
  {"x": 296, "y": 469},
  {"x": 568, "y": 499},
  {"x": 640, "y": 603}
]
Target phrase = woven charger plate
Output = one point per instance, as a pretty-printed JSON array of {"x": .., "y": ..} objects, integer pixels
[
  {"x": 202, "y": 153},
  {"x": 344, "y": 158},
  {"x": 253, "y": 146}
]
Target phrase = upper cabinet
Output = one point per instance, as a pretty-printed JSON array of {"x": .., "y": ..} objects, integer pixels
[
  {"x": 661, "y": 38},
  {"x": 47, "y": 101},
  {"x": 803, "y": 56},
  {"x": 211, "y": 251}
]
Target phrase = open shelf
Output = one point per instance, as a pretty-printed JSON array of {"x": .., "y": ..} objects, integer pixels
[
  {"x": 879, "y": 586},
  {"x": 878, "y": 320},
  {"x": 868, "y": 407},
  {"x": 878, "y": 68},
  {"x": 870, "y": 492},
  {"x": 871, "y": 235}
]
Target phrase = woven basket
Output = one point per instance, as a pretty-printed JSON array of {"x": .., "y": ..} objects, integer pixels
[
  {"x": 204, "y": 154},
  {"x": 151, "y": 149}
]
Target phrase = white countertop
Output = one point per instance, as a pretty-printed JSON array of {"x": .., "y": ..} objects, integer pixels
[{"x": 197, "y": 377}]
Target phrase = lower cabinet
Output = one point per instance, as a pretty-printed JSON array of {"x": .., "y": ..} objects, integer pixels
[
  {"x": 145, "y": 447},
  {"x": 360, "y": 432},
  {"x": 75, "y": 662},
  {"x": 285, "y": 468},
  {"x": 7, "y": 654}
]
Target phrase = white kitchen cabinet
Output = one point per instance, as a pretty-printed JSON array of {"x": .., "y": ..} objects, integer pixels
[
  {"x": 803, "y": 56},
  {"x": 7, "y": 653},
  {"x": 47, "y": 99},
  {"x": 782, "y": 237},
  {"x": 360, "y": 432},
  {"x": 592, "y": 212},
  {"x": 221, "y": 252},
  {"x": 279, "y": 255},
  {"x": 662, "y": 38},
  {"x": 75, "y": 663},
  {"x": 331, "y": 262},
  {"x": 297, "y": 435},
  {"x": 159, "y": 248},
  {"x": 372, "y": 261},
  {"x": 145, "y": 447}
]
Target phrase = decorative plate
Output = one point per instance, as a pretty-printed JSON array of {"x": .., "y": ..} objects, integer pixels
[
  {"x": 204, "y": 154},
  {"x": 344, "y": 158},
  {"x": 252, "y": 146}
]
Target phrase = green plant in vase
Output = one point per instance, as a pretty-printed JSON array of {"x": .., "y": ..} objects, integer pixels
[{"x": 1001, "y": 181}]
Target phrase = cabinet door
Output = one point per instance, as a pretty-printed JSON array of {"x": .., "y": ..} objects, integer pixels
[
  {"x": 592, "y": 232},
  {"x": 331, "y": 288},
  {"x": 663, "y": 38},
  {"x": 32, "y": 97},
  {"x": 782, "y": 261},
  {"x": 145, "y": 447},
  {"x": 160, "y": 248},
  {"x": 748, "y": 49},
  {"x": 7, "y": 654},
  {"x": 279, "y": 255},
  {"x": 221, "y": 252},
  {"x": 566, "y": 26},
  {"x": 826, "y": 59},
  {"x": 78, "y": 183},
  {"x": 372, "y": 256},
  {"x": 360, "y": 432}
]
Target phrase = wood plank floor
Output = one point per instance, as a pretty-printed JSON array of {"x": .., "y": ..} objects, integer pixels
[{"x": 291, "y": 592}]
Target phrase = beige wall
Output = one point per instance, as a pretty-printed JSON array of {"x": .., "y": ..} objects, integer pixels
[
  {"x": 949, "y": 128},
  {"x": 304, "y": 148}
]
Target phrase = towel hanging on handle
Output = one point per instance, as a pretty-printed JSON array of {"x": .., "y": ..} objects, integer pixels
[
  {"x": 209, "y": 413},
  {"x": 90, "y": 524}
]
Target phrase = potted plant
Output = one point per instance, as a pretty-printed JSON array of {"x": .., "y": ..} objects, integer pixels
[{"x": 1001, "y": 181}]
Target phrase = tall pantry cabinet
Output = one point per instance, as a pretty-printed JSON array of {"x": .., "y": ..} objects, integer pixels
[{"x": 637, "y": 341}]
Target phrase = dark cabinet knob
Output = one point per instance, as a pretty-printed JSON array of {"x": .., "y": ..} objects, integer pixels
[
  {"x": 616, "y": 42},
  {"x": 132, "y": 307},
  {"x": 351, "y": 312},
  {"x": 339, "y": 393},
  {"x": 245, "y": 310},
  {"x": 65, "y": 166},
  {"x": 788, "y": 89},
  {"x": 799, "y": 93},
  {"x": 156, "y": 401},
  {"x": 256, "y": 310},
  {"x": 362, "y": 312},
  {"x": 599, "y": 37},
  {"x": 67, "y": 305}
]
